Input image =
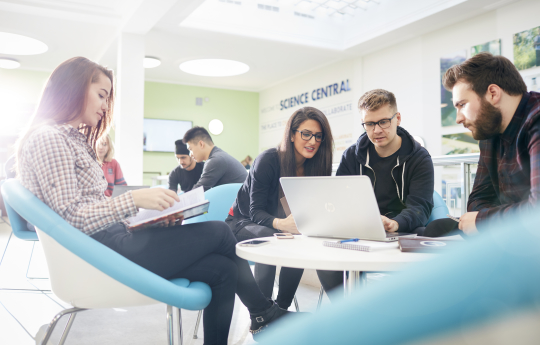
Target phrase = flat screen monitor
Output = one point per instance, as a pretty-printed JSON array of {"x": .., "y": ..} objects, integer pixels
[{"x": 160, "y": 135}]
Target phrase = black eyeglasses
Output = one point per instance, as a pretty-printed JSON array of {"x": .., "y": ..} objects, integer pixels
[
  {"x": 308, "y": 135},
  {"x": 384, "y": 123}
]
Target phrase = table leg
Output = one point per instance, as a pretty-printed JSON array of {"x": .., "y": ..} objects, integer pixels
[{"x": 357, "y": 279}]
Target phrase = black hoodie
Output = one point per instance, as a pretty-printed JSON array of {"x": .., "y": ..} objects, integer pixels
[{"x": 413, "y": 177}]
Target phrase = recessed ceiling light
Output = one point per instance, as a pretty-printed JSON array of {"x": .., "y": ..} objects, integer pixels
[
  {"x": 8, "y": 63},
  {"x": 14, "y": 44},
  {"x": 151, "y": 62},
  {"x": 214, "y": 67}
]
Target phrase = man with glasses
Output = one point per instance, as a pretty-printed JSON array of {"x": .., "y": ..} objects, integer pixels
[{"x": 400, "y": 169}]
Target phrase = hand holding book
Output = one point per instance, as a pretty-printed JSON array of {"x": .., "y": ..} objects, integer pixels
[
  {"x": 189, "y": 205},
  {"x": 154, "y": 198}
]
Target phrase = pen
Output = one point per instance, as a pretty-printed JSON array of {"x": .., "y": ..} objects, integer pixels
[{"x": 350, "y": 240}]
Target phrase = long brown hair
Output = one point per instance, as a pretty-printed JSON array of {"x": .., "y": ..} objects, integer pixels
[
  {"x": 64, "y": 99},
  {"x": 321, "y": 163}
]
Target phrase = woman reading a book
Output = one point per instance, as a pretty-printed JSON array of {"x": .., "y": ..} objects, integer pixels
[
  {"x": 305, "y": 150},
  {"x": 56, "y": 161}
]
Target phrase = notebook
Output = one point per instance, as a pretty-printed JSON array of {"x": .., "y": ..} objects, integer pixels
[
  {"x": 364, "y": 246},
  {"x": 429, "y": 244}
]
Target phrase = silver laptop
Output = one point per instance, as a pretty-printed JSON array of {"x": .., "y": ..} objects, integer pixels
[
  {"x": 119, "y": 190},
  {"x": 335, "y": 206}
]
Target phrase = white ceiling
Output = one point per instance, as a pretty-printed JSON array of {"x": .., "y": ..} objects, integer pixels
[{"x": 277, "y": 45}]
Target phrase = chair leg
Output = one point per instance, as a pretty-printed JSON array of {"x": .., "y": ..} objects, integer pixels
[
  {"x": 67, "y": 329},
  {"x": 2, "y": 259},
  {"x": 180, "y": 334},
  {"x": 296, "y": 303},
  {"x": 5, "y": 249},
  {"x": 170, "y": 335},
  {"x": 55, "y": 320},
  {"x": 197, "y": 325},
  {"x": 30, "y": 261}
]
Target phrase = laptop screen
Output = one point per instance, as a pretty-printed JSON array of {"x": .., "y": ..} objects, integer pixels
[{"x": 119, "y": 190}]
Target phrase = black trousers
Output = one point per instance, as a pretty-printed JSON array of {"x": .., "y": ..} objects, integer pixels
[
  {"x": 289, "y": 278},
  {"x": 202, "y": 252},
  {"x": 332, "y": 281}
]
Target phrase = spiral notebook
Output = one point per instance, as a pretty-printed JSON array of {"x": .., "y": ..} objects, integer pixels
[{"x": 362, "y": 245}]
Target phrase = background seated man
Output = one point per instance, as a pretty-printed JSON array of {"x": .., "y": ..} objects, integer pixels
[
  {"x": 492, "y": 101},
  {"x": 400, "y": 169},
  {"x": 220, "y": 167},
  {"x": 188, "y": 171}
]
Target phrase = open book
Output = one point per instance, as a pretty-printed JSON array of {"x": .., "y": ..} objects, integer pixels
[{"x": 191, "y": 204}]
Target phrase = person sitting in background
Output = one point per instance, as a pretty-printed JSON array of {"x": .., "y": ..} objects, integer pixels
[
  {"x": 188, "y": 171},
  {"x": 247, "y": 162},
  {"x": 220, "y": 167},
  {"x": 109, "y": 165},
  {"x": 400, "y": 169},
  {"x": 305, "y": 150}
]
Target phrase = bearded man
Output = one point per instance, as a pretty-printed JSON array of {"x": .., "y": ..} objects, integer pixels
[
  {"x": 188, "y": 171},
  {"x": 492, "y": 101}
]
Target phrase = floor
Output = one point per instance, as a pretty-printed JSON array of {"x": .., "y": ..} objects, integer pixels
[{"x": 23, "y": 314}]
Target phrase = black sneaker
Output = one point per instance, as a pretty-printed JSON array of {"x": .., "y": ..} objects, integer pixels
[{"x": 260, "y": 322}]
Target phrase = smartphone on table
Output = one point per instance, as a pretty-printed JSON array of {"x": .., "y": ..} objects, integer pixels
[
  {"x": 283, "y": 235},
  {"x": 253, "y": 243}
]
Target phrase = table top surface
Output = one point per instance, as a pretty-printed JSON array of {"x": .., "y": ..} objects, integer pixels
[{"x": 309, "y": 252}]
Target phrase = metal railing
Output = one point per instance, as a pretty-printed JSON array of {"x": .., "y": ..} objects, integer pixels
[{"x": 465, "y": 161}]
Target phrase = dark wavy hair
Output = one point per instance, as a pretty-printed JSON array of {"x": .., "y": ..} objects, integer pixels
[{"x": 321, "y": 163}]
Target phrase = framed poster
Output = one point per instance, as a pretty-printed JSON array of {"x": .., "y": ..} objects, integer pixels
[{"x": 448, "y": 112}]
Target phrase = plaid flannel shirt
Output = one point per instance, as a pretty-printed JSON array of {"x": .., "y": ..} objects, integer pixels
[
  {"x": 59, "y": 167},
  {"x": 508, "y": 175}
]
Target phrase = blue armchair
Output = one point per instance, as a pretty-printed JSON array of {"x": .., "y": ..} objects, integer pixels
[{"x": 87, "y": 274}]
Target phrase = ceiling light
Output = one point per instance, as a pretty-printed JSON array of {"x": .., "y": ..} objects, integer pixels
[
  {"x": 214, "y": 67},
  {"x": 8, "y": 63},
  {"x": 151, "y": 62},
  {"x": 20, "y": 45}
]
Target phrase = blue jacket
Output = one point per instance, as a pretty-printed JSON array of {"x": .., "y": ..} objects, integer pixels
[{"x": 413, "y": 176}]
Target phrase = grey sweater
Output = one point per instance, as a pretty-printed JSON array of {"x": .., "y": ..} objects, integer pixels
[{"x": 221, "y": 168}]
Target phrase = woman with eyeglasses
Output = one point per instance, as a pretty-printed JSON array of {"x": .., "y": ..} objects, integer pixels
[{"x": 305, "y": 150}]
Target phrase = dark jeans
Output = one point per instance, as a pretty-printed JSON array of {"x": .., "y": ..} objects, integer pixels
[
  {"x": 289, "y": 278},
  {"x": 332, "y": 281},
  {"x": 202, "y": 252}
]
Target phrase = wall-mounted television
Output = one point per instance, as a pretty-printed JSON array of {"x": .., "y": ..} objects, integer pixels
[{"x": 160, "y": 135}]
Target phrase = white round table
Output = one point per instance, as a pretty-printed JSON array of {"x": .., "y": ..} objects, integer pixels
[{"x": 309, "y": 253}]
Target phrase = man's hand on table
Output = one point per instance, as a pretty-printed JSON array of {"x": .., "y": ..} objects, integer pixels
[
  {"x": 390, "y": 225},
  {"x": 467, "y": 223}
]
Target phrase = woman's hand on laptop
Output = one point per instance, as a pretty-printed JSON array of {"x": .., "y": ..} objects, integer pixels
[
  {"x": 287, "y": 225},
  {"x": 390, "y": 225},
  {"x": 154, "y": 198}
]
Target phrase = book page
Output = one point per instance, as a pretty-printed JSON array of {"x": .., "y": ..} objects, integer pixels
[{"x": 187, "y": 200}]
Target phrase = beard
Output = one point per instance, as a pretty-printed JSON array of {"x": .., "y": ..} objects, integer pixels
[
  {"x": 188, "y": 164},
  {"x": 488, "y": 122}
]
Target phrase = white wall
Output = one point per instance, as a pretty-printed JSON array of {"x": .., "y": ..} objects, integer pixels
[
  {"x": 340, "y": 108},
  {"x": 409, "y": 69}
]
